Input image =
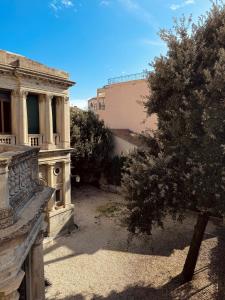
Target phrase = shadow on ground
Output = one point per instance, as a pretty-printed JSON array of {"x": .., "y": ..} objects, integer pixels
[
  {"x": 100, "y": 232},
  {"x": 174, "y": 289},
  {"x": 104, "y": 233},
  {"x": 217, "y": 264}
]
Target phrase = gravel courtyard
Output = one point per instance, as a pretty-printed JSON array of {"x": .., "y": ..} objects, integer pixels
[{"x": 101, "y": 260}]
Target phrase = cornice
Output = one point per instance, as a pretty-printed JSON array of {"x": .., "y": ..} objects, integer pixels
[{"x": 23, "y": 72}]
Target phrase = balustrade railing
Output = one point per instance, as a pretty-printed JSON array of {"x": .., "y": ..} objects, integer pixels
[
  {"x": 19, "y": 180},
  {"x": 56, "y": 138},
  {"x": 35, "y": 140},
  {"x": 7, "y": 139}
]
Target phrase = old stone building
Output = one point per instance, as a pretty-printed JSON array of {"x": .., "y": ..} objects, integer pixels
[
  {"x": 22, "y": 203},
  {"x": 34, "y": 111}
]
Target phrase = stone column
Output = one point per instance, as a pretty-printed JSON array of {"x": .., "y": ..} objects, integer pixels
[
  {"x": 48, "y": 122},
  {"x": 37, "y": 270},
  {"x": 66, "y": 184},
  {"x": 42, "y": 112},
  {"x": 23, "y": 122},
  {"x": 65, "y": 128},
  {"x": 15, "y": 98}
]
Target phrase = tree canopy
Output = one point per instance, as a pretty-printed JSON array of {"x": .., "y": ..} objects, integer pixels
[
  {"x": 183, "y": 165},
  {"x": 92, "y": 145}
]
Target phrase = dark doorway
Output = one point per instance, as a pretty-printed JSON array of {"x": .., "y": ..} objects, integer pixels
[
  {"x": 33, "y": 114},
  {"x": 5, "y": 112},
  {"x": 54, "y": 99}
]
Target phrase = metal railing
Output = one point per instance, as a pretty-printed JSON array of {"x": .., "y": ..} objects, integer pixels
[{"x": 124, "y": 78}]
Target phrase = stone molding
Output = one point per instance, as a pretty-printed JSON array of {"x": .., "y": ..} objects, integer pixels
[{"x": 23, "y": 72}]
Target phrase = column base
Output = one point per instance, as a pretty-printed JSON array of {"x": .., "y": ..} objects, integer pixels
[{"x": 61, "y": 220}]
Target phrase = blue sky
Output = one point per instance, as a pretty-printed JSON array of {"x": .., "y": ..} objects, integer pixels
[{"x": 91, "y": 39}]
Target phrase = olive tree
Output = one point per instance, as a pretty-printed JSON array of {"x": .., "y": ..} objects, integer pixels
[{"x": 183, "y": 165}]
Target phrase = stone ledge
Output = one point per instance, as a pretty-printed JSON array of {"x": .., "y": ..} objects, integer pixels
[{"x": 30, "y": 214}]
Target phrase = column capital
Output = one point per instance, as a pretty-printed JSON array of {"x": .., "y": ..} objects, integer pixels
[
  {"x": 49, "y": 97},
  {"x": 19, "y": 93},
  {"x": 23, "y": 93},
  {"x": 65, "y": 99}
]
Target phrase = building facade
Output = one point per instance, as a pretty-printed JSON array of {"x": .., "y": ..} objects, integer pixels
[
  {"x": 34, "y": 111},
  {"x": 120, "y": 104},
  {"x": 22, "y": 203}
]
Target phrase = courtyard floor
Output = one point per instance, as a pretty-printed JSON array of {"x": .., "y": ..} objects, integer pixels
[{"x": 102, "y": 261}]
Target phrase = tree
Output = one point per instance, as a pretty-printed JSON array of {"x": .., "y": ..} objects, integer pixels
[
  {"x": 92, "y": 145},
  {"x": 182, "y": 166}
]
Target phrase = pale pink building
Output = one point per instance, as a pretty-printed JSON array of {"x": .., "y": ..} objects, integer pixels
[{"x": 120, "y": 104}]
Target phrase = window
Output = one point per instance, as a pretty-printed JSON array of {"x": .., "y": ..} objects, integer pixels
[
  {"x": 5, "y": 112},
  {"x": 57, "y": 196},
  {"x": 57, "y": 171},
  {"x": 33, "y": 114},
  {"x": 54, "y": 99},
  {"x": 101, "y": 106}
]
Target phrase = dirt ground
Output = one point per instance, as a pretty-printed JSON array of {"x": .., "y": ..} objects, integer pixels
[{"x": 101, "y": 260}]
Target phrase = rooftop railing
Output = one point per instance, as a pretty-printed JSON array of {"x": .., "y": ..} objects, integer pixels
[{"x": 124, "y": 78}]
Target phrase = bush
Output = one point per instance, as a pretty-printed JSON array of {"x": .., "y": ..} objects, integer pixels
[
  {"x": 92, "y": 145},
  {"x": 113, "y": 170}
]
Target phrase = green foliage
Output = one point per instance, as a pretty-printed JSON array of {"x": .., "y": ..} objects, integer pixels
[
  {"x": 92, "y": 145},
  {"x": 113, "y": 170},
  {"x": 182, "y": 166}
]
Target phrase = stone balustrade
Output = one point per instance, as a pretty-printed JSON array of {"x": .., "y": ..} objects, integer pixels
[
  {"x": 19, "y": 180},
  {"x": 35, "y": 140},
  {"x": 56, "y": 139},
  {"x": 7, "y": 139}
]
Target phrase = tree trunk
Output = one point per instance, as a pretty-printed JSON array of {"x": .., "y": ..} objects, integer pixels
[{"x": 192, "y": 257}]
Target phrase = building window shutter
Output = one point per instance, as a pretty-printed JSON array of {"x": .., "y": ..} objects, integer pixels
[{"x": 33, "y": 114}]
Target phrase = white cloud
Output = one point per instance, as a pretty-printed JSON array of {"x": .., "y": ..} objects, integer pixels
[
  {"x": 57, "y": 5},
  {"x": 182, "y": 4}
]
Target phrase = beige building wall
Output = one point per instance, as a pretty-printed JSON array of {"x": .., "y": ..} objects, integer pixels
[{"x": 120, "y": 105}]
